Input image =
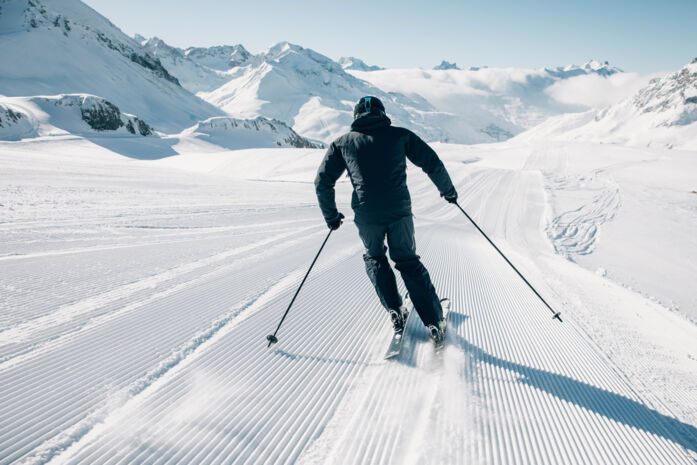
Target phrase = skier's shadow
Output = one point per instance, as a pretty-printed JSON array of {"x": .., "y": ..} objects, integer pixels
[{"x": 606, "y": 403}]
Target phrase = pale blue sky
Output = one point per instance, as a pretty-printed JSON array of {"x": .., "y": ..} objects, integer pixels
[{"x": 635, "y": 35}]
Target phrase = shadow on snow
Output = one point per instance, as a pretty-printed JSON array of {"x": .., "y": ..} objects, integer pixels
[{"x": 606, "y": 403}]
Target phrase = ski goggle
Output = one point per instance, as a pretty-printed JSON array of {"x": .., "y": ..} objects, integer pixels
[{"x": 367, "y": 104}]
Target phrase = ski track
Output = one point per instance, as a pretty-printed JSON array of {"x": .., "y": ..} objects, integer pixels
[
  {"x": 111, "y": 355},
  {"x": 512, "y": 386},
  {"x": 11, "y": 339},
  {"x": 576, "y": 232}
]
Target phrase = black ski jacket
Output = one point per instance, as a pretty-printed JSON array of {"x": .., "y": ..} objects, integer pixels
[{"x": 374, "y": 153}]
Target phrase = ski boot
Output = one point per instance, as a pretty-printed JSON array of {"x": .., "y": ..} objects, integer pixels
[
  {"x": 398, "y": 317},
  {"x": 437, "y": 333}
]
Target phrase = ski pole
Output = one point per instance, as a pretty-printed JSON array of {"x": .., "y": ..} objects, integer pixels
[
  {"x": 272, "y": 337},
  {"x": 556, "y": 315}
]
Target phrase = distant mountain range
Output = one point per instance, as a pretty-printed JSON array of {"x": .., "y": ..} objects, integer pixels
[
  {"x": 664, "y": 113},
  {"x": 315, "y": 94},
  {"x": 63, "y": 47},
  {"x": 67, "y": 69}
]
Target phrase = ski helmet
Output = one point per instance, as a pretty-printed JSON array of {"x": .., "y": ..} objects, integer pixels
[{"x": 367, "y": 105}]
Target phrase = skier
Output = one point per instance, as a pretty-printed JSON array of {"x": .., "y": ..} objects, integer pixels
[{"x": 374, "y": 153}]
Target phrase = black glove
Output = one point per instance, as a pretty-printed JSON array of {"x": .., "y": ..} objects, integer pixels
[
  {"x": 334, "y": 224},
  {"x": 451, "y": 198}
]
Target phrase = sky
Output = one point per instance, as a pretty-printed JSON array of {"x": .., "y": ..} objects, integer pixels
[{"x": 637, "y": 35}]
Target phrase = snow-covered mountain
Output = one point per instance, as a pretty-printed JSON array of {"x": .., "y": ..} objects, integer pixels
[
  {"x": 233, "y": 133},
  {"x": 14, "y": 125},
  {"x": 65, "y": 47},
  {"x": 487, "y": 104},
  {"x": 198, "y": 69},
  {"x": 663, "y": 113},
  {"x": 221, "y": 57},
  {"x": 82, "y": 114},
  {"x": 192, "y": 76},
  {"x": 315, "y": 94},
  {"x": 357, "y": 63},
  {"x": 68, "y": 48},
  {"x": 446, "y": 65},
  {"x": 602, "y": 68}
]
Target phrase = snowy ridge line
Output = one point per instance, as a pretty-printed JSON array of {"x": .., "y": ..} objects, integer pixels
[
  {"x": 23, "y": 331},
  {"x": 281, "y": 288},
  {"x": 49, "y": 344},
  {"x": 197, "y": 231}
]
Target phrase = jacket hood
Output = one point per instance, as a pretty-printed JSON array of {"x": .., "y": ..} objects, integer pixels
[{"x": 371, "y": 120}]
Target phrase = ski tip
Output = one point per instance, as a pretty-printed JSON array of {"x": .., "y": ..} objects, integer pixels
[
  {"x": 557, "y": 316},
  {"x": 445, "y": 305}
]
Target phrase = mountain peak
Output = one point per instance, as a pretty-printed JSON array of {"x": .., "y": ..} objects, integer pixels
[
  {"x": 602, "y": 68},
  {"x": 357, "y": 64},
  {"x": 219, "y": 57},
  {"x": 446, "y": 65},
  {"x": 282, "y": 49}
]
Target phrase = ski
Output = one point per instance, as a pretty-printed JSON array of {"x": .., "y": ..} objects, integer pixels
[
  {"x": 445, "y": 304},
  {"x": 398, "y": 337}
]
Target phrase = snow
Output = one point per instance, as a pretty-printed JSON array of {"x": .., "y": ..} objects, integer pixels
[
  {"x": 448, "y": 104},
  {"x": 356, "y": 63},
  {"x": 103, "y": 62},
  {"x": 446, "y": 65},
  {"x": 82, "y": 115},
  {"x": 661, "y": 114},
  {"x": 68, "y": 114},
  {"x": 223, "y": 131},
  {"x": 142, "y": 269},
  {"x": 511, "y": 100},
  {"x": 137, "y": 295}
]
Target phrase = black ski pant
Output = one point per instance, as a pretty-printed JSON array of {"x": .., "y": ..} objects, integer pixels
[{"x": 402, "y": 249}]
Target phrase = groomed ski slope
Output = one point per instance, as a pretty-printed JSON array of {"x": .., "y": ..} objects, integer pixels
[{"x": 137, "y": 300}]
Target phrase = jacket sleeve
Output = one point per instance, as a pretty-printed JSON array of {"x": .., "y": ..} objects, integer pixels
[
  {"x": 329, "y": 171},
  {"x": 425, "y": 158}
]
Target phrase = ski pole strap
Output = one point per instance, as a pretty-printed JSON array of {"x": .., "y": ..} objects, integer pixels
[
  {"x": 272, "y": 337},
  {"x": 555, "y": 315}
]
